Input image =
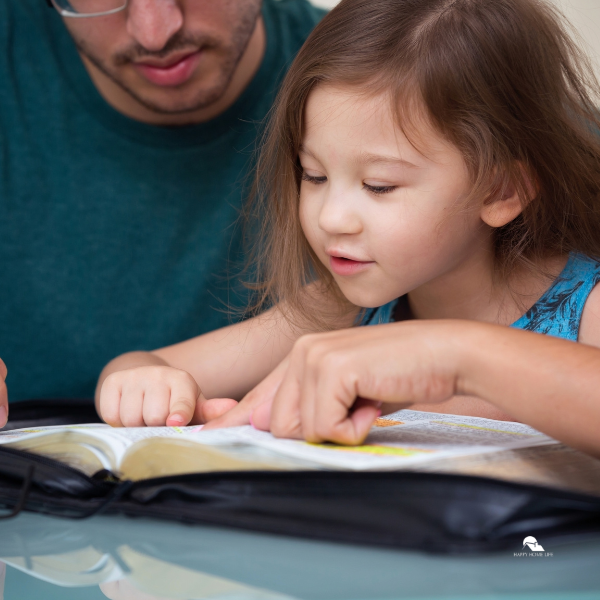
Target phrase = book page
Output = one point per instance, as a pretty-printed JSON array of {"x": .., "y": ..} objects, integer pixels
[
  {"x": 87, "y": 447},
  {"x": 127, "y": 435},
  {"x": 394, "y": 442},
  {"x": 14, "y": 435},
  {"x": 75, "y": 445},
  {"x": 403, "y": 440},
  {"x": 554, "y": 465}
]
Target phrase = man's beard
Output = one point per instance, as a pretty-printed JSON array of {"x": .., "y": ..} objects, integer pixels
[{"x": 230, "y": 53}]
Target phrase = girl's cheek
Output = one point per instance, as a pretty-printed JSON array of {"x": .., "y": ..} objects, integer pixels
[{"x": 308, "y": 217}]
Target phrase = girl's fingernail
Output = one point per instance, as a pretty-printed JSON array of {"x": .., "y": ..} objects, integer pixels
[
  {"x": 250, "y": 419},
  {"x": 378, "y": 414},
  {"x": 176, "y": 420}
]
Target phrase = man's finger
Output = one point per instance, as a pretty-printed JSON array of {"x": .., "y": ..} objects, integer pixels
[
  {"x": 261, "y": 416},
  {"x": 208, "y": 410},
  {"x": 285, "y": 420},
  {"x": 354, "y": 429},
  {"x": 264, "y": 392},
  {"x": 238, "y": 415}
]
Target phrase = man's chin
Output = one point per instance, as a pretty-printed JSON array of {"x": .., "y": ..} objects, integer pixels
[
  {"x": 174, "y": 101},
  {"x": 173, "y": 108}
]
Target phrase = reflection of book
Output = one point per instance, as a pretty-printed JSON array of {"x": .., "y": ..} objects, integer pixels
[
  {"x": 409, "y": 439},
  {"x": 134, "y": 575},
  {"x": 108, "y": 553}
]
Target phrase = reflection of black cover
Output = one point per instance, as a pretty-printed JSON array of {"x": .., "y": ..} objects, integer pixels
[{"x": 426, "y": 511}]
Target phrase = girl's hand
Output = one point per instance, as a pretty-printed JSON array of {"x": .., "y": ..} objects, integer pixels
[
  {"x": 391, "y": 366},
  {"x": 3, "y": 395},
  {"x": 156, "y": 395}
]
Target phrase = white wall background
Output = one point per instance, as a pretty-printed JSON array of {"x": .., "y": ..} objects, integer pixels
[{"x": 583, "y": 14}]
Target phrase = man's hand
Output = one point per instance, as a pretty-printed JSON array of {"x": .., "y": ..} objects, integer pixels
[
  {"x": 263, "y": 393},
  {"x": 331, "y": 385},
  {"x": 156, "y": 396},
  {"x": 335, "y": 382},
  {"x": 3, "y": 395}
]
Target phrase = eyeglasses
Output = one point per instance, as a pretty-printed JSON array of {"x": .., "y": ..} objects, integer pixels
[{"x": 87, "y": 8}]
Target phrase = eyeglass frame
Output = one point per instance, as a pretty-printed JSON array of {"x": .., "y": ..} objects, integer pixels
[{"x": 64, "y": 13}]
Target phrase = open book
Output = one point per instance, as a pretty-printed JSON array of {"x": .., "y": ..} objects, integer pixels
[{"x": 403, "y": 440}]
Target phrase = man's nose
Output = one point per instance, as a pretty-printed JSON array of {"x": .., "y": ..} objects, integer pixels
[
  {"x": 153, "y": 22},
  {"x": 338, "y": 214}
]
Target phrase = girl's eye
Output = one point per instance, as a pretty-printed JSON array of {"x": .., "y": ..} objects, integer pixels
[
  {"x": 312, "y": 179},
  {"x": 379, "y": 189}
]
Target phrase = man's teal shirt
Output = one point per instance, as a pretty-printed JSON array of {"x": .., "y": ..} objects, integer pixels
[{"x": 114, "y": 235}]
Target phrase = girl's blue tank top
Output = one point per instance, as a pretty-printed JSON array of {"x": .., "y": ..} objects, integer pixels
[{"x": 558, "y": 312}]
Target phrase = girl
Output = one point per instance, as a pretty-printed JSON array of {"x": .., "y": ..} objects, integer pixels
[{"x": 426, "y": 159}]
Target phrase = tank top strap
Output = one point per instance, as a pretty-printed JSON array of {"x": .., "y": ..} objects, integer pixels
[
  {"x": 558, "y": 312},
  {"x": 378, "y": 315}
]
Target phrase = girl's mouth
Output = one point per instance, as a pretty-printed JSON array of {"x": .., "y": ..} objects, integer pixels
[{"x": 347, "y": 266}]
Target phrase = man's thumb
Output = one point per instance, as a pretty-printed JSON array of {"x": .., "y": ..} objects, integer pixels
[
  {"x": 261, "y": 416},
  {"x": 208, "y": 410}
]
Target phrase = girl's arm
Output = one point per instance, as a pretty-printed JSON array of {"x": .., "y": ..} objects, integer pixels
[
  {"x": 548, "y": 383},
  {"x": 171, "y": 385}
]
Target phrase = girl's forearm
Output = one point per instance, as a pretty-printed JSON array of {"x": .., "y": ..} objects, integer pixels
[
  {"x": 225, "y": 363},
  {"x": 548, "y": 383}
]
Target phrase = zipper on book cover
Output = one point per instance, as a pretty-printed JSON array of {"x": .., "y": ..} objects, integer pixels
[
  {"x": 95, "y": 481},
  {"x": 22, "y": 499},
  {"x": 99, "y": 482}
]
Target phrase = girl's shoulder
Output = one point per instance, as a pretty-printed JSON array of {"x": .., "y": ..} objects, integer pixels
[{"x": 560, "y": 310}]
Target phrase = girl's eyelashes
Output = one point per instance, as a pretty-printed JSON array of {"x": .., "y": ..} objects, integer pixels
[
  {"x": 379, "y": 189},
  {"x": 374, "y": 189},
  {"x": 312, "y": 178}
]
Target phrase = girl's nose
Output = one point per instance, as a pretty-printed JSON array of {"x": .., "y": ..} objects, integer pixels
[
  {"x": 152, "y": 23},
  {"x": 338, "y": 215}
]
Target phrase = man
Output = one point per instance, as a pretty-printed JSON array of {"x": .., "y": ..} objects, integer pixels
[{"x": 127, "y": 129}]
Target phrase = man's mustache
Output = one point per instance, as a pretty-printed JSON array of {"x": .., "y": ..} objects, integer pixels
[{"x": 179, "y": 41}]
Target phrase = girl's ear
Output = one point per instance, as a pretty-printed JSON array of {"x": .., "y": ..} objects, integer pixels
[{"x": 508, "y": 204}]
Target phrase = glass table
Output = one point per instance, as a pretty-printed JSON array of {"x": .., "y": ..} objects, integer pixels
[{"x": 45, "y": 558}]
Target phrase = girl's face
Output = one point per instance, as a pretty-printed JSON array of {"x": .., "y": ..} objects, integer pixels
[{"x": 384, "y": 218}]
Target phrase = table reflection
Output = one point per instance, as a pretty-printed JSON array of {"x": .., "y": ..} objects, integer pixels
[{"x": 149, "y": 560}]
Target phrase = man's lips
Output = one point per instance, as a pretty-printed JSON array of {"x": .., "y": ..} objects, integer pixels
[
  {"x": 176, "y": 70},
  {"x": 348, "y": 266}
]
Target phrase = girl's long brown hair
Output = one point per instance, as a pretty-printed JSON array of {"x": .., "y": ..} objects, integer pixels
[{"x": 500, "y": 79}]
